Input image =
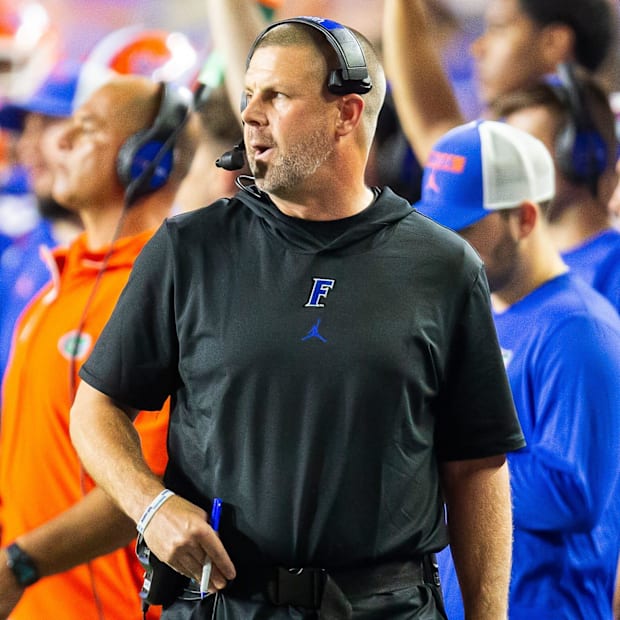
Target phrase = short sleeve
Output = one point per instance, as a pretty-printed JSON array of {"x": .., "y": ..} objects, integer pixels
[
  {"x": 135, "y": 359},
  {"x": 476, "y": 417}
]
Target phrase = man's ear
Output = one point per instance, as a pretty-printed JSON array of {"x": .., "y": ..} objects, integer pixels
[
  {"x": 350, "y": 109},
  {"x": 529, "y": 213}
]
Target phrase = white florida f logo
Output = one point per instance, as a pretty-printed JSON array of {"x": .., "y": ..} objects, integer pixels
[{"x": 320, "y": 289}]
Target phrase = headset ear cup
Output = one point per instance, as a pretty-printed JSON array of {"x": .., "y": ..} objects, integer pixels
[
  {"x": 590, "y": 154},
  {"x": 125, "y": 157},
  {"x": 143, "y": 165},
  {"x": 581, "y": 151},
  {"x": 135, "y": 158},
  {"x": 157, "y": 175},
  {"x": 352, "y": 76},
  {"x": 581, "y": 155},
  {"x": 564, "y": 146},
  {"x": 146, "y": 159}
]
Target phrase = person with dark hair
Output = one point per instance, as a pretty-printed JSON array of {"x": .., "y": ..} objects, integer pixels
[
  {"x": 561, "y": 344},
  {"x": 590, "y": 23},
  {"x": 574, "y": 120},
  {"x": 67, "y": 549},
  {"x": 333, "y": 368},
  {"x": 523, "y": 41}
]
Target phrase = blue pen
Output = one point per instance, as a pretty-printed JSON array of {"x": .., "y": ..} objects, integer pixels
[{"x": 216, "y": 511}]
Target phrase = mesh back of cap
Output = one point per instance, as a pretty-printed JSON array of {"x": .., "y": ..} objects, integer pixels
[{"x": 515, "y": 167}]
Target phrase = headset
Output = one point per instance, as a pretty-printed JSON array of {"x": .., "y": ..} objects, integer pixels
[
  {"x": 581, "y": 152},
  {"x": 351, "y": 76},
  {"x": 146, "y": 159}
]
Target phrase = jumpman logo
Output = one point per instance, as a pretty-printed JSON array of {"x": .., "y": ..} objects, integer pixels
[
  {"x": 431, "y": 184},
  {"x": 314, "y": 332}
]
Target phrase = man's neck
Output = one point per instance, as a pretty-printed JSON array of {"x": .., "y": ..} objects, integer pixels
[
  {"x": 540, "y": 263},
  {"x": 326, "y": 205},
  {"x": 106, "y": 225},
  {"x": 65, "y": 230}
]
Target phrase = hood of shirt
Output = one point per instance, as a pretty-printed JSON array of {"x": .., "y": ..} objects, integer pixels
[{"x": 361, "y": 231}]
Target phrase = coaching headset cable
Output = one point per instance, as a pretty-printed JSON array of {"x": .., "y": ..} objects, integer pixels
[
  {"x": 135, "y": 190},
  {"x": 75, "y": 350}
]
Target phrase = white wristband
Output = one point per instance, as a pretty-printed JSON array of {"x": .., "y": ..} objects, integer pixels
[{"x": 152, "y": 508}]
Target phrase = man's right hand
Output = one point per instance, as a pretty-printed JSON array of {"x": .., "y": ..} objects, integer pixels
[{"x": 180, "y": 536}]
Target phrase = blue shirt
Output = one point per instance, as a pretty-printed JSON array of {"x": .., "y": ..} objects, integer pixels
[
  {"x": 561, "y": 346},
  {"x": 597, "y": 261},
  {"x": 22, "y": 274}
]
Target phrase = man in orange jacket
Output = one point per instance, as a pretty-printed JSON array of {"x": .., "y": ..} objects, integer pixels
[{"x": 66, "y": 548}]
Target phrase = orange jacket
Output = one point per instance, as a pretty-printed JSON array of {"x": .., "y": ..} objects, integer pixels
[{"x": 40, "y": 474}]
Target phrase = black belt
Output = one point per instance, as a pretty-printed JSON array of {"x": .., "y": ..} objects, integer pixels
[{"x": 329, "y": 591}]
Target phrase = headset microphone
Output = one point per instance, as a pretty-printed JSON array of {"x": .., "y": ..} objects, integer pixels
[{"x": 233, "y": 159}]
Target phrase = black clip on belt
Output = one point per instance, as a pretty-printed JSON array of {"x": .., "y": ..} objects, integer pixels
[
  {"x": 302, "y": 587},
  {"x": 315, "y": 588}
]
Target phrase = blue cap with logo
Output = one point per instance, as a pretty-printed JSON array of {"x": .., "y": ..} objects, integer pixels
[
  {"x": 53, "y": 98},
  {"x": 481, "y": 167}
]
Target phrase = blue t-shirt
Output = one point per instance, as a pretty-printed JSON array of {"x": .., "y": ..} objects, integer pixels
[
  {"x": 597, "y": 261},
  {"x": 22, "y": 274},
  {"x": 561, "y": 346}
]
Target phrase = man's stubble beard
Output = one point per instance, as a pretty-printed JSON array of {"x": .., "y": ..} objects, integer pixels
[{"x": 301, "y": 161}]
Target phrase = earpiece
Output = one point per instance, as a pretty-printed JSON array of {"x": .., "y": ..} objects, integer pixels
[
  {"x": 145, "y": 160},
  {"x": 581, "y": 152},
  {"x": 351, "y": 76}
]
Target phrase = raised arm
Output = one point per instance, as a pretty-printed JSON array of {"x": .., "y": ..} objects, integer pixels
[
  {"x": 234, "y": 24},
  {"x": 109, "y": 446},
  {"x": 477, "y": 494},
  {"x": 424, "y": 99}
]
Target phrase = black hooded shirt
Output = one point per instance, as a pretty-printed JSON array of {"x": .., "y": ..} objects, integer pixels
[{"x": 319, "y": 371}]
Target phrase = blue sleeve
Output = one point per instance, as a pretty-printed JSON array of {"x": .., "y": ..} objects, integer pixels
[
  {"x": 562, "y": 479},
  {"x": 607, "y": 280}
]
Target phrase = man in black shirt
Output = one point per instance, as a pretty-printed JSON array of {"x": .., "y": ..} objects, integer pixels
[{"x": 333, "y": 367}]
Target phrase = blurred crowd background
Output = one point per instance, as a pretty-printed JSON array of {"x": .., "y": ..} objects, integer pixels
[
  {"x": 59, "y": 29},
  {"x": 77, "y": 25},
  {"x": 83, "y": 21}
]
